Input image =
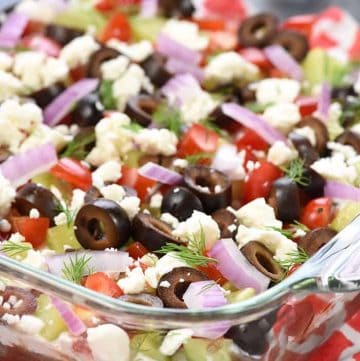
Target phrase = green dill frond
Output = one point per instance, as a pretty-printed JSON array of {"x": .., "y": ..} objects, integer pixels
[
  {"x": 293, "y": 258},
  {"x": 288, "y": 233},
  {"x": 169, "y": 118},
  {"x": 76, "y": 268},
  {"x": 63, "y": 207},
  {"x": 295, "y": 171},
  {"x": 133, "y": 126},
  {"x": 12, "y": 249},
  {"x": 77, "y": 148}
]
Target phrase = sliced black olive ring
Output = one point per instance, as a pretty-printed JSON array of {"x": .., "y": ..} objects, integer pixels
[
  {"x": 92, "y": 194},
  {"x": 143, "y": 299},
  {"x": 306, "y": 151},
  {"x": 88, "y": 111},
  {"x": 45, "y": 96},
  {"x": 27, "y": 301},
  {"x": 315, "y": 183},
  {"x": 350, "y": 138},
  {"x": 225, "y": 220},
  {"x": 212, "y": 187},
  {"x": 261, "y": 258},
  {"x": 258, "y": 30},
  {"x": 180, "y": 202},
  {"x": 154, "y": 67},
  {"x": 152, "y": 232},
  {"x": 62, "y": 34},
  {"x": 141, "y": 108},
  {"x": 293, "y": 42},
  {"x": 100, "y": 56},
  {"x": 315, "y": 239},
  {"x": 102, "y": 224},
  {"x": 173, "y": 8},
  {"x": 177, "y": 281},
  {"x": 285, "y": 199}
]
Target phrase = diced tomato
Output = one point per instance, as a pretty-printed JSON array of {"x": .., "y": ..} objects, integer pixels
[
  {"x": 131, "y": 178},
  {"x": 317, "y": 213},
  {"x": 118, "y": 28},
  {"x": 257, "y": 57},
  {"x": 33, "y": 229},
  {"x": 226, "y": 9},
  {"x": 78, "y": 73},
  {"x": 198, "y": 139},
  {"x": 72, "y": 171},
  {"x": 210, "y": 24},
  {"x": 213, "y": 273},
  {"x": 102, "y": 283},
  {"x": 307, "y": 105},
  {"x": 105, "y": 5},
  {"x": 276, "y": 73},
  {"x": 137, "y": 250},
  {"x": 300, "y": 23},
  {"x": 259, "y": 181},
  {"x": 33, "y": 27},
  {"x": 42, "y": 43},
  {"x": 249, "y": 138}
]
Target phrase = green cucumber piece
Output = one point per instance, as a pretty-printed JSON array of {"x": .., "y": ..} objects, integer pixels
[
  {"x": 147, "y": 344},
  {"x": 345, "y": 215},
  {"x": 60, "y": 236},
  {"x": 146, "y": 28},
  {"x": 197, "y": 349}
]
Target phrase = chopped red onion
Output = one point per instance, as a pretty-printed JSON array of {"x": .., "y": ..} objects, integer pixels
[
  {"x": 160, "y": 174},
  {"x": 149, "y": 8},
  {"x": 204, "y": 294},
  {"x": 324, "y": 102},
  {"x": 252, "y": 121},
  {"x": 100, "y": 261},
  {"x": 335, "y": 189},
  {"x": 62, "y": 105},
  {"x": 12, "y": 29},
  {"x": 235, "y": 267},
  {"x": 283, "y": 61},
  {"x": 72, "y": 320},
  {"x": 21, "y": 167},
  {"x": 173, "y": 49},
  {"x": 212, "y": 331},
  {"x": 176, "y": 66}
]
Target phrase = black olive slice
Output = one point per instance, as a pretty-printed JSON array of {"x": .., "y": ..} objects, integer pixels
[
  {"x": 173, "y": 8},
  {"x": 315, "y": 183},
  {"x": 221, "y": 119},
  {"x": 320, "y": 130},
  {"x": 62, "y": 34},
  {"x": 174, "y": 284},
  {"x": 306, "y": 151},
  {"x": 88, "y": 111},
  {"x": 154, "y": 67},
  {"x": 33, "y": 196},
  {"x": 45, "y": 96},
  {"x": 341, "y": 93},
  {"x": 152, "y": 232},
  {"x": 285, "y": 199},
  {"x": 258, "y": 30},
  {"x": 27, "y": 301},
  {"x": 261, "y": 258},
  {"x": 102, "y": 224},
  {"x": 293, "y": 42},
  {"x": 315, "y": 239},
  {"x": 100, "y": 56},
  {"x": 350, "y": 138},
  {"x": 4, "y": 153},
  {"x": 141, "y": 108},
  {"x": 224, "y": 220},
  {"x": 91, "y": 194},
  {"x": 143, "y": 299},
  {"x": 180, "y": 202},
  {"x": 212, "y": 187}
]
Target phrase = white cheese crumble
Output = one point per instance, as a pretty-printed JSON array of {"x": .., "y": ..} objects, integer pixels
[
  {"x": 174, "y": 340},
  {"x": 30, "y": 324},
  {"x": 136, "y": 52},
  {"x": 197, "y": 224},
  {"x": 280, "y": 154},
  {"x": 131, "y": 205},
  {"x": 107, "y": 172},
  {"x": 77, "y": 199},
  {"x": 6, "y": 61},
  {"x": 156, "y": 200},
  {"x": 36, "y": 259},
  {"x": 169, "y": 219},
  {"x": 114, "y": 68},
  {"x": 134, "y": 282},
  {"x": 308, "y": 133},
  {"x": 34, "y": 213},
  {"x": 113, "y": 192},
  {"x": 107, "y": 342},
  {"x": 38, "y": 10},
  {"x": 165, "y": 284},
  {"x": 9, "y": 86},
  {"x": 7, "y": 195},
  {"x": 347, "y": 151},
  {"x": 60, "y": 219}
]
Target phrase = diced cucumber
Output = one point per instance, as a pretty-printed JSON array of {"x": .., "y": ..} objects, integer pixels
[
  {"x": 147, "y": 344},
  {"x": 197, "y": 349},
  {"x": 146, "y": 28},
  {"x": 345, "y": 215},
  {"x": 241, "y": 295},
  {"x": 62, "y": 236},
  {"x": 54, "y": 325},
  {"x": 47, "y": 180}
]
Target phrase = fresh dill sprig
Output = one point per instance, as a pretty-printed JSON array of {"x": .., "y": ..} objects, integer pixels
[
  {"x": 192, "y": 254},
  {"x": 106, "y": 95},
  {"x": 295, "y": 171},
  {"x": 77, "y": 268},
  {"x": 169, "y": 118},
  {"x": 194, "y": 158},
  {"x": 63, "y": 207},
  {"x": 12, "y": 249},
  {"x": 133, "y": 126},
  {"x": 297, "y": 225},
  {"x": 293, "y": 258},
  {"x": 77, "y": 147},
  {"x": 288, "y": 233}
]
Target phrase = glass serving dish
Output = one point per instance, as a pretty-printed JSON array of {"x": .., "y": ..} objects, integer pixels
[{"x": 295, "y": 320}]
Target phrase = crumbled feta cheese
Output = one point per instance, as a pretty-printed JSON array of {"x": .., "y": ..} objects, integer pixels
[
  {"x": 258, "y": 214},
  {"x": 6, "y": 61},
  {"x": 79, "y": 50},
  {"x": 168, "y": 263},
  {"x": 114, "y": 68},
  {"x": 276, "y": 242},
  {"x": 174, "y": 339},
  {"x": 308, "y": 133},
  {"x": 7, "y": 195},
  {"x": 107, "y": 342},
  {"x": 53, "y": 71},
  {"x": 113, "y": 192},
  {"x": 230, "y": 66},
  {"x": 282, "y": 116},
  {"x": 137, "y": 52},
  {"x": 180, "y": 163},
  {"x": 151, "y": 277},
  {"x": 157, "y": 141},
  {"x": 30, "y": 324},
  {"x": 134, "y": 282},
  {"x": 77, "y": 200},
  {"x": 280, "y": 154},
  {"x": 60, "y": 219},
  {"x": 131, "y": 205},
  {"x": 10, "y": 319},
  {"x": 156, "y": 200},
  {"x": 9, "y": 86},
  {"x": 107, "y": 172},
  {"x": 347, "y": 151},
  {"x": 186, "y": 33},
  {"x": 356, "y": 128},
  {"x": 16, "y": 237},
  {"x": 34, "y": 213},
  {"x": 36, "y": 260},
  {"x": 43, "y": 11},
  {"x": 149, "y": 259},
  {"x": 273, "y": 90},
  {"x": 197, "y": 224},
  {"x": 333, "y": 124},
  {"x": 169, "y": 219}
]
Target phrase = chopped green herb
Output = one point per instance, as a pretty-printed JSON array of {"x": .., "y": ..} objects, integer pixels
[
  {"x": 106, "y": 95},
  {"x": 257, "y": 107},
  {"x": 77, "y": 268},
  {"x": 77, "y": 148},
  {"x": 12, "y": 249},
  {"x": 69, "y": 213},
  {"x": 194, "y": 158},
  {"x": 133, "y": 126},
  {"x": 169, "y": 118},
  {"x": 296, "y": 257},
  {"x": 297, "y": 225},
  {"x": 285, "y": 232},
  {"x": 295, "y": 171}
]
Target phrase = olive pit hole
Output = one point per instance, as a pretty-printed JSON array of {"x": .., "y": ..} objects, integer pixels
[
  {"x": 147, "y": 106},
  {"x": 180, "y": 289},
  {"x": 264, "y": 262},
  {"x": 96, "y": 228}
]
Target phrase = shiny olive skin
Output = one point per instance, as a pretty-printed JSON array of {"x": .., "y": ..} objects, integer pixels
[
  {"x": 315, "y": 239},
  {"x": 32, "y": 196},
  {"x": 45, "y": 96},
  {"x": 180, "y": 202},
  {"x": 306, "y": 151},
  {"x": 173, "y": 8},
  {"x": 314, "y": 185},
  {"x": 93, "y": 69},
  {"x": 140, "y": 108},
  {"x": 154, "y": 67},
  {"x": 102, "y": 224},
  {"x": 62, "y": 34},
  {"x": 293, "y": 42},
  {"x": 88, "y": 111},
  {"x": 350, "y": 138},
  {"x": 224, "y": 219}
]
